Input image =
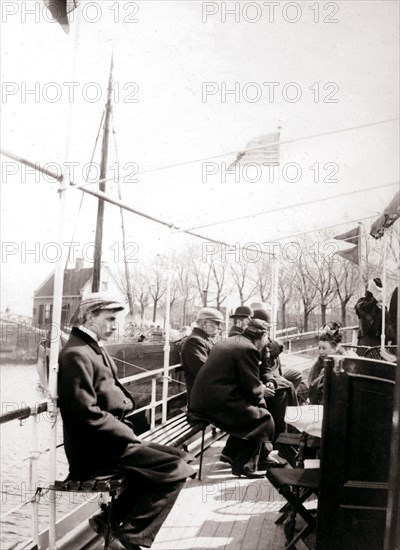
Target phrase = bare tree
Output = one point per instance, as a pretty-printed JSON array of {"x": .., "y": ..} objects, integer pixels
[
  {"x": 141, "y": 292},
  {"x": 157, "y": 283},
  {"x": 317, "y": 267},
  {"x": 201, "y": 271},
  {"x": 185, "y": 284},
  {"x": 218, "y": 272},
  {"x": 346, "y": 277},
  {"x": 240, "y": 273},
  {"x": 307, "y": 292},
  {"x": 285, "y": 290},
  {"x": 262, "y": 278}
]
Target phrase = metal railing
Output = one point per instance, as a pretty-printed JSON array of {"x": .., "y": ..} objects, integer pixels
[
  {"x": 152, "y": 377},
  {"x": 34, "y": 411}
]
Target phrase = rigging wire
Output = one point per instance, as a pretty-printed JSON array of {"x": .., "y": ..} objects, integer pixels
[
  {"x": 289, "y": 207},
  {"x": 283, "y": 142},
  {"x": 83, "y": 194}
]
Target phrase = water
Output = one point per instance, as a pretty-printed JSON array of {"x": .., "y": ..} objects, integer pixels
[{"x": 19, "y": 386}]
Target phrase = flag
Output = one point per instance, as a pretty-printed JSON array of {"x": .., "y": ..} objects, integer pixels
[
  {"x": 389, "y": 216},
  {"x": 350, "y": 254},
  {"x": 351, "y": 237},
  {"x": 262, "y": 150},
  {"x": 60, "y": 9}
]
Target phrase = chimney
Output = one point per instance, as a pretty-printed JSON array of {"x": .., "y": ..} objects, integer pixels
[{"x": 78, "y": 264}]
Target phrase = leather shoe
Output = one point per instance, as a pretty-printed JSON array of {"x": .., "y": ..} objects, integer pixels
[
  {"x": 99, "y": 523},
  {"x": 245, "y": 472},
  {"x": 271, "y": 462},
  {"x": 226, "y": 458}
]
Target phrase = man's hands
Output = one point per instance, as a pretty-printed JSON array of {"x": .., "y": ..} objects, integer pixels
[{"x": 269, "y": 390}]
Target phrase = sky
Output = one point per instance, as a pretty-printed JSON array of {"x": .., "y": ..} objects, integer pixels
[{"x": 193, "y": 81}]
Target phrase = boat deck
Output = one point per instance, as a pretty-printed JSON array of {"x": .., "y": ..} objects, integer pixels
[{"x": 222, "y": 512}]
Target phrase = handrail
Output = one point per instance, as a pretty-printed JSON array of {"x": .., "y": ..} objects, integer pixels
[{"x": 22, "y": 413}]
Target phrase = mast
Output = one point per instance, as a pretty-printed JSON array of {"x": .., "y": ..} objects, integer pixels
[{"x": 102, "y": 186}]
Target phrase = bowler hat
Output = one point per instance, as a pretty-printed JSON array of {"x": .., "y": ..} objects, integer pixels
[
  {"x": 262, "y": 314},
  {"x": 242, "y": 311}
]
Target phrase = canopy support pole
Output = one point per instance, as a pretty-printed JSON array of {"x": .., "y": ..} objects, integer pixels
[
  {"x": 167, "y": 333},
  {"x": 274, "y": 296},
  {"x": 53, "y": 371},
  {"x": 384, "y": 282}
]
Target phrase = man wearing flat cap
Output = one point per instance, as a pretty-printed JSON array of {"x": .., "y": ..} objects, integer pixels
[
  {"x": 228, "y": 392},
  {"x": 99, "y": 440},
  {"x": 197, "y": 346}
]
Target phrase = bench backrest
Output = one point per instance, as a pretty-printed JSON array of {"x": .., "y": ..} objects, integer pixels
[{"x": 355, "y": 454}]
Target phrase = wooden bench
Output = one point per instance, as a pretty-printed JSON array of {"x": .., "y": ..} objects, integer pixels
[{"x": 175, "y": 432}]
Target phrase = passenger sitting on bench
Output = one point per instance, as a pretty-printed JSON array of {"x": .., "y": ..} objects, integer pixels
[
  {"x": 99, "y": 440},
  {"x": 287, "y": 378},
  {"x": 229, "y": 393},
  {"x": 328, "y": 344}
]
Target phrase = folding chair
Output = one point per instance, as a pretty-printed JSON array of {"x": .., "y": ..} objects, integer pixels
[{"x": 296, "y": 486}]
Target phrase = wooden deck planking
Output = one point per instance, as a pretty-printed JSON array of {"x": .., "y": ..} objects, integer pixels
[{"x": 223, "y": 512}]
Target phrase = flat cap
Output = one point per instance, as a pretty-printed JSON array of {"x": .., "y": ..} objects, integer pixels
[
  {"x": 210, "y": 314},
  {"x": 98, "y": 301},
  {"x": 256, "y": 327}
]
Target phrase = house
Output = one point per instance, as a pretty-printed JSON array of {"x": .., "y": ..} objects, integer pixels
[{"x": 77, "y": 283}]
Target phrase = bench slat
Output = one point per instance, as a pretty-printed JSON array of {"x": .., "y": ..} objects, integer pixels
[{"x": 174, "y": 432}]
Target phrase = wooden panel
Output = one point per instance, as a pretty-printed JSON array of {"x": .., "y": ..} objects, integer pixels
[{"x": 355, "y": 454}]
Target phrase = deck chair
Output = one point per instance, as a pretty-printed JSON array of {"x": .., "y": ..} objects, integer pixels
[
  {"x": 296, "y": 485},
  {"x": 356, "y": 437}
]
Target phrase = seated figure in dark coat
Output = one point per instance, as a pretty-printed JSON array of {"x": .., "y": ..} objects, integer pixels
[
  {"x": 287, "y": 379},
  {"x": 241, "y": 319},
  {"x": 99, "y": 440},
  {"x": 196, "y": 347},
  {"x": 369, "y": 311},
  {"x": 228, "y": 392}
]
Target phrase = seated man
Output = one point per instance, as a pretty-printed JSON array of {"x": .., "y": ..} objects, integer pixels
[
  {"x": 241, "y": 318},
  {"x": 99, "y": 440},
  {"x": 286, "y": 378},
  {"x": 196, "y": 347},
  {"x": 228, "y": 392}
]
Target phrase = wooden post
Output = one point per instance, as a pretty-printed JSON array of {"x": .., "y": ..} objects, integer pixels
[{"x": 102, "y": 185}]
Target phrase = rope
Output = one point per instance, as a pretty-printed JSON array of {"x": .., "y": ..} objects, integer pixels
[
  {"x": 83, "y": 194},
  {"x": 277, "y": 143},
  {"x": 289, "y": 207}
]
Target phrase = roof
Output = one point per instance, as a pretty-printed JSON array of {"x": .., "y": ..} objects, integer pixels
[{"x": 74, "y": 281}]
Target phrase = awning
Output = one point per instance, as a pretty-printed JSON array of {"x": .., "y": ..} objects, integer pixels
[{"x": 389, "y": 216}]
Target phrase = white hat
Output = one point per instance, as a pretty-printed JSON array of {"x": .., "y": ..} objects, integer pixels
[{"x": 98, "y": 301}]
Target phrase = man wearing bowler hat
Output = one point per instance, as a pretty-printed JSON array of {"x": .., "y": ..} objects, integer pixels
[
  {"x": 99, "y": 440},
  {"x": 241, "y": 319}
]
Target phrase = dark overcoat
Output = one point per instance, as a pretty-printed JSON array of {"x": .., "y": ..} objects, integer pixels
[
  {"x": 228, "y": 391},
  {"x": 93, "y": 405},
  {"x": 194, "y": 353}
]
